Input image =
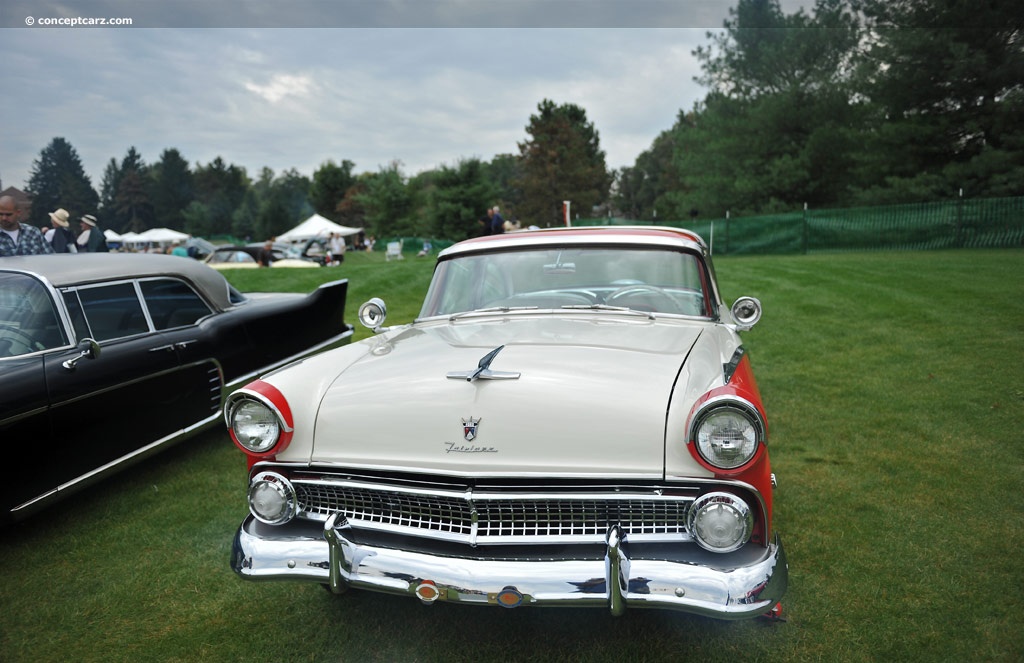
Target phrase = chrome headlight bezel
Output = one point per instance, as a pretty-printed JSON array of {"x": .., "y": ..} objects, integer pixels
[
  {"x": 727, "y": 432},
  {"x": 272, "y": 498}
]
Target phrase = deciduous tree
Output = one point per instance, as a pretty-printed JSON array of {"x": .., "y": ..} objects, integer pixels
[{"x": 331, "y": 182}]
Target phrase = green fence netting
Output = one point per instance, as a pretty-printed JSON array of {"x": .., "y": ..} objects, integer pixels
[{"x": 963, "y": 223}]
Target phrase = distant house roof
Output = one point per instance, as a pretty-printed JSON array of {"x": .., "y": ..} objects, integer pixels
[{"x": 21, "y": 199}]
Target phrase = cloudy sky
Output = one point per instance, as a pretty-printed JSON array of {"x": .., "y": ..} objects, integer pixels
[{"x": 294, "y": 84}]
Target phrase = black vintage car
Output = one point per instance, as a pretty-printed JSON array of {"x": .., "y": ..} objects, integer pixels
[{"x": 106, "y": 358}]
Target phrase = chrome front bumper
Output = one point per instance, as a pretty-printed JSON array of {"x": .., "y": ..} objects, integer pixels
[{"x": 723, "y": 586}]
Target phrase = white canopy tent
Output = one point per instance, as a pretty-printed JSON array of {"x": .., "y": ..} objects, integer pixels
[
  {"x": 112, "y": 236},
  {"x": 160, "y": 235},
  {"x": 316, "y": 226}
]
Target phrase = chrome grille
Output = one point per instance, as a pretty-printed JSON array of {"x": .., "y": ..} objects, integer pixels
[
  {"x": 569, "y": 517},
  {"x": 386, "y": 507},
  {"x": 481, "y": 516}
]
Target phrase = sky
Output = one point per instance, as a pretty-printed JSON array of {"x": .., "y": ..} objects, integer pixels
[{"x": 292, "y": 85}]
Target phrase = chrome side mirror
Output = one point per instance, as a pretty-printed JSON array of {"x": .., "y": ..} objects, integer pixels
[
  {"x": 88, "y": 349},
  {"x": 746, "y": 311},
  {"x": 372, "y": 314}
]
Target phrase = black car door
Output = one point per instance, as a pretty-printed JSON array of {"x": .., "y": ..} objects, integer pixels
[{"x": 131, "y": 396}]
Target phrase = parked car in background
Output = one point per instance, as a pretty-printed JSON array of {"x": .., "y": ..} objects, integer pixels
[
  {"x": 199, "y": 248},
  {"x": 247, "y": 257},
  {"x": 107, "y": 358},
  {"x": 572, "y": 420}
]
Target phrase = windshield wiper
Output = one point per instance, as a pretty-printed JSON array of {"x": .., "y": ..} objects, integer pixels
[
  {"x": 493, "y": 309},
  {"x": 605, "y": 307}
]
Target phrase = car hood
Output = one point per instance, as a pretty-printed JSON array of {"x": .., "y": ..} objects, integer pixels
[{"x": 584, "y": 403}]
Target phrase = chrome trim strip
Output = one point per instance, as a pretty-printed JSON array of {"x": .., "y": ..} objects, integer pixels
[{"x": 729, "y": 586}]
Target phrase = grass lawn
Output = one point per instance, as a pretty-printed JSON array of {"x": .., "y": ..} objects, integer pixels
[{"x": 894, "y": 384}]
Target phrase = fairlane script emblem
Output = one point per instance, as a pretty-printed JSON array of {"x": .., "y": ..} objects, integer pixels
[{"x": 469, "y": 428}]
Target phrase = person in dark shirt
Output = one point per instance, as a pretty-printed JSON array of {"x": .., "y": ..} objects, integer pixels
[
  {"x": 59, "y": 236},
  {"x": 266, "y": 255}
]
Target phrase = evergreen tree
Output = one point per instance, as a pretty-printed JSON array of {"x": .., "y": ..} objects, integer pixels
[
  {"x": 561, "y": 160},
  {"x": 133, "y": 209},
  {"x": 945, "y": 82},
  {"x": 59, "y": 180},
  {"x": 221, "y": 189},
  {"x": 775, "y": 130},
  {"x": 172, "y": 189}
]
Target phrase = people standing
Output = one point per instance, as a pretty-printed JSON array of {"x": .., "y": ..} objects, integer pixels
[
  {"x": 497, "y": 222},
  {"x": 91, "y": 239},
  {"x": 337, "y": 249},
  {"x": 16, "y": 238},
  {"x": 265, "y": 256},
  {"x": 59, "y": 236}
]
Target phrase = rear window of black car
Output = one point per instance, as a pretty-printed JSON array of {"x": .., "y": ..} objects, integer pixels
[{"x": 172, "y": 303}]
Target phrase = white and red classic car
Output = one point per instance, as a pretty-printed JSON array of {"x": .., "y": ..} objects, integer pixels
[{"x": 570, "y": 421}]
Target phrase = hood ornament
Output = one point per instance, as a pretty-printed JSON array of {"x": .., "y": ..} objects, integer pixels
[{"x": 483, "y": 371}]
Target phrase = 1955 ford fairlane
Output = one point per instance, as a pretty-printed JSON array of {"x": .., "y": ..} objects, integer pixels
[{"x": 571, "y": 421}]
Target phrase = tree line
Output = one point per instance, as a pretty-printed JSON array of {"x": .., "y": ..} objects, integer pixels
[{"x": 859, "y": 102}]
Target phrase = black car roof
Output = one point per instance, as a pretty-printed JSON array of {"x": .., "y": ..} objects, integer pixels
[{"x": 63, "y": 270}]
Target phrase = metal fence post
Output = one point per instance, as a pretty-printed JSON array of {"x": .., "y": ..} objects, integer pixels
[{"x": 805, "y": 229}]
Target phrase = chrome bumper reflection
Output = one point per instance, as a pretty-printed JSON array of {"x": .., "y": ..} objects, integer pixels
[{"x": 615, "y": 583}]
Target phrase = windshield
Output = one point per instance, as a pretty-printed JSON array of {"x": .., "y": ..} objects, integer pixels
[{"x": 650, "y": 280}]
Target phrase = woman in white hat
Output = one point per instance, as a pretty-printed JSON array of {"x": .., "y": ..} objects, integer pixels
[{"x": 60, "y": 238}]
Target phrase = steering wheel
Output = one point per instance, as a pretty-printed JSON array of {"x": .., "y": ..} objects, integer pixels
[
  {"x": 14, "y": 342},
  {"x": 630, "y": 290}
]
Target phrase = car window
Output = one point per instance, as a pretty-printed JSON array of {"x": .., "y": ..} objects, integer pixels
[
  {"x": 231, "y": 257},
  {"x": 28, "y": 318},
  {"x": 172, "y": 303},
  {"x": 111, "y": 311}
]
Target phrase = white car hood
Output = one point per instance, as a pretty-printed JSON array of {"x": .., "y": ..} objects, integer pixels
[{"x": 584, "y": 403}]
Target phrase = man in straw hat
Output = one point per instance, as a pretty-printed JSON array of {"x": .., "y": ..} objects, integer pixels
[
  {"x": 16, "y": 238},
  {"x": 60, "y": 238},
  {"x": 91, "y": 239}
]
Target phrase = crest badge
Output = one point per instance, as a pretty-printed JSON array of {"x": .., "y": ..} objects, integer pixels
[{"x": 469, "y": 427}]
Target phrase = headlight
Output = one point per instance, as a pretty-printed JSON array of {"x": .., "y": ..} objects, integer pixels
[
  {"x": 272, "y": 498},
  {"x": 720, "y": 522},
  {"x": 255, "y": 426},
  {"x": 727, "y": 436}
]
